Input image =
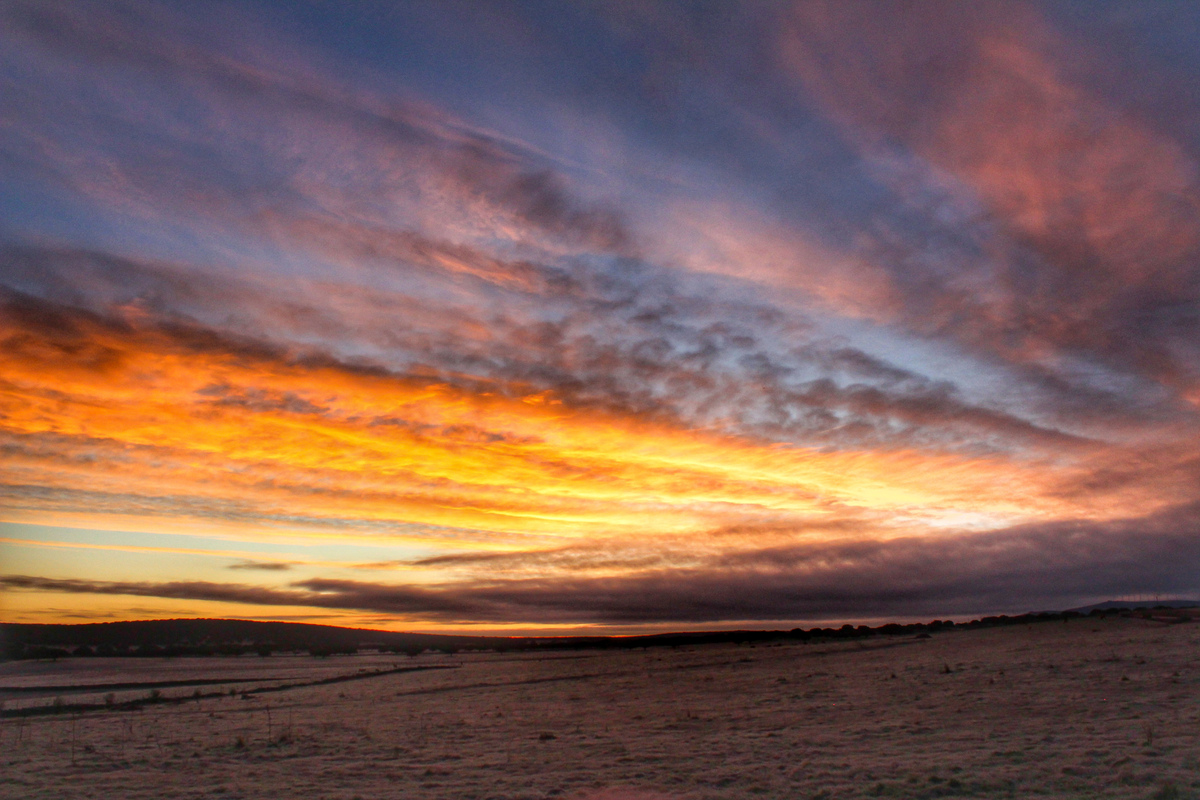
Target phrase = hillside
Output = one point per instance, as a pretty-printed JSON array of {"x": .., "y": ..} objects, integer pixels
[{"x": 201, "y": 636}]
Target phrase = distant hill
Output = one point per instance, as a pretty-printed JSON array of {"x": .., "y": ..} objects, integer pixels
[
  {"x": 182, "y": 637},
  {"x": 1120, "y": 605},
  {"x": 200, "y": 637},
  {"x": 206, "y": 636}
]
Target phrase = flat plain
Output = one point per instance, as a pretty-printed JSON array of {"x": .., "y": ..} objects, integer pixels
[{"x": 1090, "y": 708}]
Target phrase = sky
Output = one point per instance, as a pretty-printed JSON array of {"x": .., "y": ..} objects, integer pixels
[{"x": 597, "y": 316}]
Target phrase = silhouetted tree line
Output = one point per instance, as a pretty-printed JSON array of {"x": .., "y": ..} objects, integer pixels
[
  {"x": 206, "y": 637},
  {"x": 52, "y": 641},
  {"x": 17, "y": 650},
  {"x": 324, "y": 651}
]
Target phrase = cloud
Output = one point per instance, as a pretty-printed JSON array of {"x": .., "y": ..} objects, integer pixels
[
  {"x": 599, "y": 439},
  {"x": 718, "y": 298},
  {"x": 1071, "y": 224},
  {"x": 626, "y": 337},
  {"x": 264, "y": 566},
  {"x": 1019, "y": 569},
  {"x": 257, "y": 108}
]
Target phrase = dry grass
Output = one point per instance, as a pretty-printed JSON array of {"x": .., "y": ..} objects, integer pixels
[{"x": 1041, "y": 710}]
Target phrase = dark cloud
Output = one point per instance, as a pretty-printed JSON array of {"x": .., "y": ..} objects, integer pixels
[
  {"x": 1020, "y": 569},
  {"x": 182, "y": 590},
  {"x": 597, "y": 555}
]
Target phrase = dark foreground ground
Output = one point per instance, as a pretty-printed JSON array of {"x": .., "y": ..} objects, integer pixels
[{"x": 1089, "y": 708}]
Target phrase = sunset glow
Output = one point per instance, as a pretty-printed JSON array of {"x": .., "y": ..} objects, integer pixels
[{"x": 596, "y": 316}]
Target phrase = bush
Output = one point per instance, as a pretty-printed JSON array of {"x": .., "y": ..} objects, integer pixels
[{"x": 39, "y": 653}]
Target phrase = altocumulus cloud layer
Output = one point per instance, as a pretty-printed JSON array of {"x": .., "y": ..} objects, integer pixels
[{"x": 549, "y": 315}]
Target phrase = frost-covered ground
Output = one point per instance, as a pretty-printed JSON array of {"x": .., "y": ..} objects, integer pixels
[
  {"x": 1084, "y": 709},
  {"x": 89, "y": 680}
]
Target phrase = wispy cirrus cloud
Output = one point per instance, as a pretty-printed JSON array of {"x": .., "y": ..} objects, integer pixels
[
  {"x": 1071, "y": 222},
  {"x": 1055, "y": 565},
  {"x": 262, "y": 566}
]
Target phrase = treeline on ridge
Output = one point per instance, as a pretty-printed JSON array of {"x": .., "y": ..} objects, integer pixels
[{"x": 215, "y": 637}]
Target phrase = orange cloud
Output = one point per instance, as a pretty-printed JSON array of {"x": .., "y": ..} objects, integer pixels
[{"x": 151, "y": 420}]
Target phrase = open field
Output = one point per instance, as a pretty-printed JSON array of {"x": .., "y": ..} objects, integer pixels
[
  {"x": 1091, "y": 708},
  {"x": 26, "y": 684}
]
